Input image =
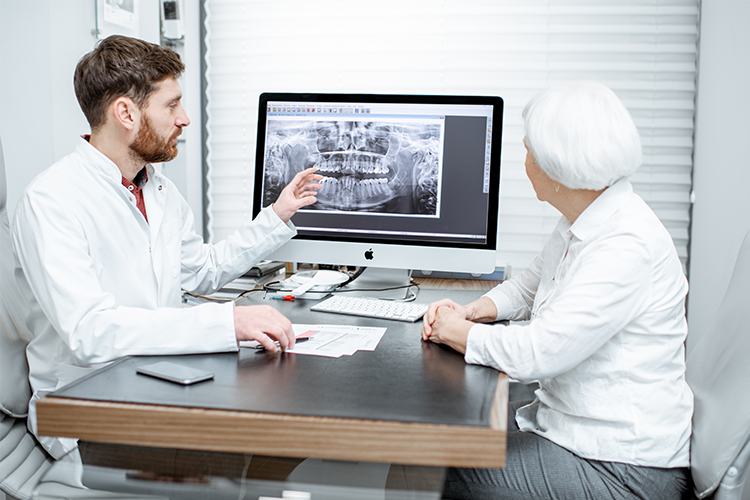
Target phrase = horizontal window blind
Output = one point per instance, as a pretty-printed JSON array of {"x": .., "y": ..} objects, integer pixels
[{"x": 645, "y": 50}]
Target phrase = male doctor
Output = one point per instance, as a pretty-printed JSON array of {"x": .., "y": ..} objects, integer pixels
[{"x": 104, "y": 243}]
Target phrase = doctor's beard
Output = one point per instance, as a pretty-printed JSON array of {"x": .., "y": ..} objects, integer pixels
[{"x": 152, "y": 148}]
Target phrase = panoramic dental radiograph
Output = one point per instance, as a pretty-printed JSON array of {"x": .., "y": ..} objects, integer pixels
[{"x": 384, "y": 167}]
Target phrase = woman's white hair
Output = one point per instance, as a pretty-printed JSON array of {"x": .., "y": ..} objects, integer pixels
[{"x": 582, "y": 136}]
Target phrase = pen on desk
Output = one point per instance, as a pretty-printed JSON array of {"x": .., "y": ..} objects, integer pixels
[
  {"x": 278, "y": 296},
  {"x": 261, "y": 348}
]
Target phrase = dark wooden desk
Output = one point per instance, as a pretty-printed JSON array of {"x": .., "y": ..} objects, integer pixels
[{"x": 407, "y": 402}]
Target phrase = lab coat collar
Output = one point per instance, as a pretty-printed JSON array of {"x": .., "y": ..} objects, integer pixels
[
  {"x": 154, "y": 195},
  {"x": 153, "y": 190},
  {"x": 606, "y": 205},
  {"x": 95, "y": 159},
  {"x": 99, "y": 161}
]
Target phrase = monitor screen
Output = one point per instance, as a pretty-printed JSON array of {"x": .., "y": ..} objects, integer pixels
[{"x": 411, "y": 182}]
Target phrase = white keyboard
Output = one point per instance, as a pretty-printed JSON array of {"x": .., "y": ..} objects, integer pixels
[{"x": 372, "y": 308}]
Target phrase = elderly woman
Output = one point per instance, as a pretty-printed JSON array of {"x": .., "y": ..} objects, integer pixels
[{"x": 605, "y": 330}]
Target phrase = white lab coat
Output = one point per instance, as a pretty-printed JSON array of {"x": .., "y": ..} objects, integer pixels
[{"x": 103, "y": 283}]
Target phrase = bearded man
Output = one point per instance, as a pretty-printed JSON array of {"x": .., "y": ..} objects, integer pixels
[{"x": 105, "y": 244}]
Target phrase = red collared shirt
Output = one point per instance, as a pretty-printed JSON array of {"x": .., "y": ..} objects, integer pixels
[{"x": 136, "y": 187}]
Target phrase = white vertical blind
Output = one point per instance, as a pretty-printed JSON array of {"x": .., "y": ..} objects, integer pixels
[{"x": 645, "y": 50}]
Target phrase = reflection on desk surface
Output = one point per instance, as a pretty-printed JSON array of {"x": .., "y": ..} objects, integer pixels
[{"x": 140, "y": 472}]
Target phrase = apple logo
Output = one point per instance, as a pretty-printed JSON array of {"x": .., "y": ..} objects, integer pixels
[{"x": 368, "y": 254}]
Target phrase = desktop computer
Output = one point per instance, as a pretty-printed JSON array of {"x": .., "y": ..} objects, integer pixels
[{"x": 411, "y": 181}]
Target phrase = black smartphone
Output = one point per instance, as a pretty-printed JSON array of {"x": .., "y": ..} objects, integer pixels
[{"x": 173, "y": 372}]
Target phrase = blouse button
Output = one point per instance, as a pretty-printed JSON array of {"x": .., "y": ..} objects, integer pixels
[{"x": 130, "y": 188}]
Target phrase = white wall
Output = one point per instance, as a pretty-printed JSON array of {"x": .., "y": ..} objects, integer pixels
[
  {"x": 26, "y": 98},
  {"x": 186, "y": 170},
  {"x": 721, "y": 174}
]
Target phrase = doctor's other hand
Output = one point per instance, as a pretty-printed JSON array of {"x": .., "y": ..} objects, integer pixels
[
  {"x": 430, "y": 315},
  {"x": 450, "y": 327},
  {"x": 298, "y": 193},
  {"x": 264, "y": 324}
]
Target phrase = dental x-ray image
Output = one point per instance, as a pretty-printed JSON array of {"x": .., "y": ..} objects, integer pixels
[{"x": 369, "y": 166}]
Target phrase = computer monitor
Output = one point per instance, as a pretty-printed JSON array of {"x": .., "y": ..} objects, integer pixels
[{"x": 411, "y": 181}]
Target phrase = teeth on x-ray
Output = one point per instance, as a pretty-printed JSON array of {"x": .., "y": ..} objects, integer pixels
[{"x": 368, "y": 166}]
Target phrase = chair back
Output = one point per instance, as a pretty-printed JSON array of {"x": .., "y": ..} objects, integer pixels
[
  {"x": 22, "y": 460},
  {"x": 718, "y": 369},
  {"x": 14, "y": 336}
]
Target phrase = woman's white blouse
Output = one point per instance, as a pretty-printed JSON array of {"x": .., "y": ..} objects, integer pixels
[{"x": 605, "y": 299}]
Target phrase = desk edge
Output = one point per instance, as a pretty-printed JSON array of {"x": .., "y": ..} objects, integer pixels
[{"x": 301, "y": 436}]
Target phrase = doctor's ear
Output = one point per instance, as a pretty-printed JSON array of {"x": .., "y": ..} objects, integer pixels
[{"x": 125, "y": 112}]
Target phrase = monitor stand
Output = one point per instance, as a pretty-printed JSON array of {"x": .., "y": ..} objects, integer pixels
[{"x": 379, "y": 283}]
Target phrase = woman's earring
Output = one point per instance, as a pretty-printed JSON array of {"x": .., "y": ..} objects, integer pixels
[{"x": 557, "y": 188}]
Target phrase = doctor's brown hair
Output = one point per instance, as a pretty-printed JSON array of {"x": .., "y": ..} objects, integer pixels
[{"x": 121, "y": 66}]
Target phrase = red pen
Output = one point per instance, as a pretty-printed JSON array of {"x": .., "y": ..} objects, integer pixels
[{"x": 278, "y": 296}]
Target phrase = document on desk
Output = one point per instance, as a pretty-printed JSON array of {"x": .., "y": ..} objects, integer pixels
[{"x": 332, "y": 340}]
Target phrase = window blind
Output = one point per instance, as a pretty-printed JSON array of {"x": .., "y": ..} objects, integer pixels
[{"x": 645, "y": 50}]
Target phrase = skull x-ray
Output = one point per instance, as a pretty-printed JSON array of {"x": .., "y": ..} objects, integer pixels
[{"x": 369, "y": 166}]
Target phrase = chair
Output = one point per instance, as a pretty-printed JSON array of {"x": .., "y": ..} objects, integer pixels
[
  {"x": 718, "y": 370},
  {"x": 22, "y": 460}
]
